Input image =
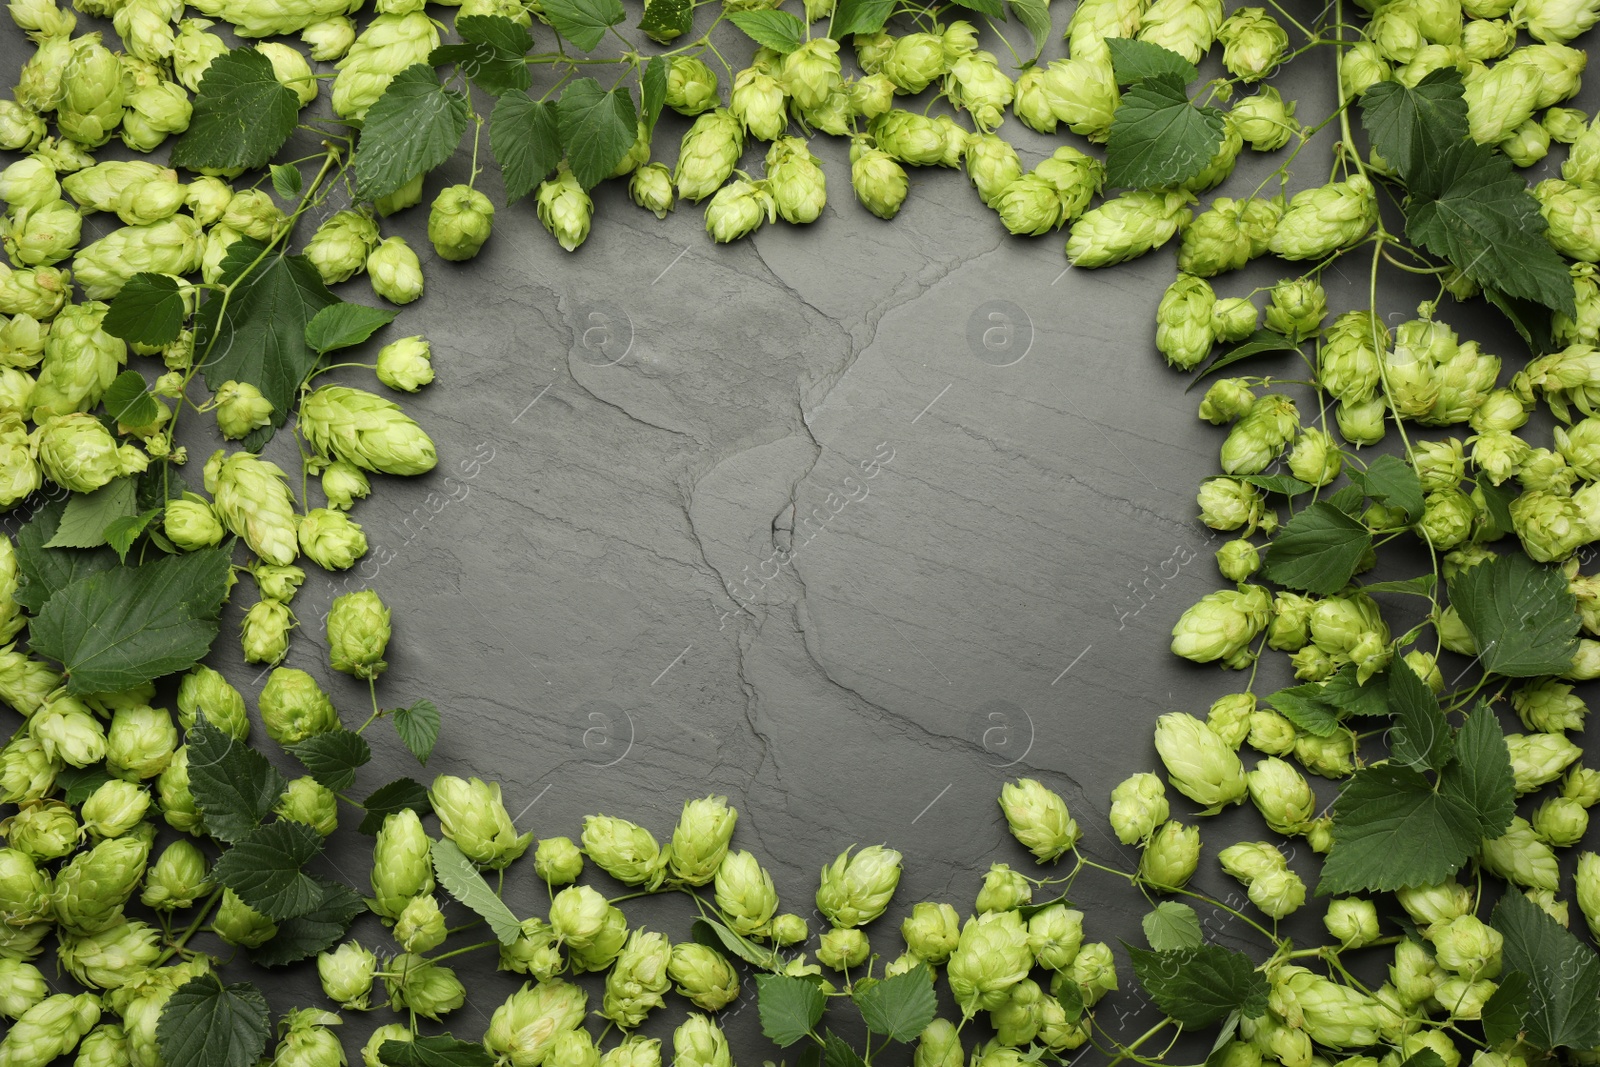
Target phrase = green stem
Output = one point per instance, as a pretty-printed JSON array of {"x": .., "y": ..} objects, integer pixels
[
  {"x": 377, "y": 713},
  {"x": 1127, "y": 1051},
  {"x": 463, "y": 951},
  {"x": 194, "y": 927}
]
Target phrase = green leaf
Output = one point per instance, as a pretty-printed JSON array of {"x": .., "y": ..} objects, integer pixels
[
  {"x": 1219, "y": 1055},
  {"x": 1350, "y": 500},
  {"x": 1424, "y": 1058},
  {"x": 149, "y": 310},
  {"x": 418, "y": 727},
  {"x": 1304, "y": 706},
  {"x": 1345, "y": 691},
  {"x": 462, "y": 881},
  {"x": 1262, "y": 342},
  {"x": 242, "y": 115},
  {"x": 286, "y": 180},
  {"x": 123, "y": 531},
  {"x": 208, "y": 1024},
  {"x": 1158, "y": 138},
  {"x": 333, "y": 757},
  {"x": 583, "y": 22},
  {"x": 1133, "y": 60},
  {"x": 492, "y": 54},
  {"x": 1410, "y": 126},
  {"x": 398, "y": 795},
  {"x": 345, "y": 325},
  {"x": 129, "y": 402},
  {"x": 83, "y": 524},
  {"x": 1171, "y": 926},
  {"x": 526, "y": 142},
  {"x": 233, "y": 785},
  {"x": 859, "y": 16},
  {"x": 598, "y": 127},
  {"x": 1529, "y": 318},
  {"x": 1200, "y": 986},
  {"x": 130, "y": 625},
  {"x": 652, "y": 91},
  {"x": 1035, "y": 15},
  {"x": 898, "y": 1008},
  {"x": 496, "y": 30},
  {"x": 260, "y": 337},
  {"x": 413, "y": 127},
  {"x": 1391, "y": 830},
  {"x": 711, "y": 933},
  {"x": 264, "y": 869},
  {"x": 1278, "y": 483},
  {"x": 77, "y": 783},
  {"x": 1390, "y": 480},
  {"x": 43, "y": 572},
  {"x": 778, "y": 30},
  {"x": 1317, "y": 550},
  {"x": 1497, "y": 506},
  {"x": 991, "y": 8},
  {"x": 667, "y": 20},
  {"x": 789, "y": 1007},
  {"x": 1563, "y": 975},
  {"x": 1481, "y": 777},
  {"x": 1422, "y": 736},
  {"x": 1506, "y": 1007},
  {"x": 434, "y": 1051},
  {"x": 1521, "y": 614},
  {"x": 836, "y": 1052},
  {"x": 316, "y": 931},
  {"x": 1475, "y": 210},
  {"x": 1421, "y": 585}
]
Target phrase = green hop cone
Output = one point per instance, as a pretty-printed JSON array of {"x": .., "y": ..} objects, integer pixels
[
  {"x": 408, "y": 195},
  {"x": 909, "y": 137},
  {"x": 691, "y": 85},
  {"x": 1261, "y": 435},
  {"x": 707, "y": 156},
  {"x": 1227, "y": 235},
  {"x": 1353, "y": 921},
  {"x": 535, "y": 951},
  {"x": 626, "y": 851},
  {"x": 239, "y": 924},
  {"x": 842, "y": 949},
  {"x": 1184, "y": 334},
  {"x": 68, "y": 732},
  {"x": 564, "y": 208},
  {"x": 1467, "y": 945},
  {"x": 1127, "y": 227},
  {"x": 80, "y": 361},
  {"x": 45, "y": 235},
  {"x": 389, "y": 44},
  {"x": 914, "y": 62},
  {"x": 795, "y": 181},
  {"x": 1030, "y": 205},
  {"x": 1234, "y": 318},
  {"x": 91, "y": 92},
  {"x": 177, "y": 802},
  {"x": 140, "y": 742},
  {"x": 854, "y": 890},
  {"x": 1282, "y": 795},
  {"x": 1171, "y": 856},
  {"x": 634, "y": 1051},
  {"x": 976, "y": 84},
  {"x": 1003, "y": 890},
  {"x": 700, "y": 840},
  {"x": 1094, "y": 971},
  {"x": 472, "y": 815},
  {"x": 744, "y": 893},
  {"x": 459, "y": 222},
  {"x": 1586, "y": 889},
  {"x": 1561, "y": 822},
  {"x": 1038, "y": 818},
  {"x": 1221, "y": 626},
  {"x": 111, "y": 958},
  {"x": 358, "y": 634},
  {"x": 22, "y": 986},
  {"x": 114, "y": 809},
  {"x": 1297, "y": 308},
  {"x": 1199, "y": 764},
  {"x": 1564, "y": 124},
  {"x": 395, "y": 271},
  {"x": 1186, "y": 27},
  {"x": 1550, "y": 526},
  {"x": 651, "y": 188},
  {"x": 992, "y": 165},
  {"x": 21, "y": 129},
  {"x": 1538, "y": 759},
  {"x": 29, "y": 183},
  {"x": 1055, "y": 933},
  {"x": 170, "y": 246},
  {"x": 1527, "y": 144},
  {"x": 759, "y": 103},
  {"x": 343, "y": 483},
  {"x": 366, "y": 430},
  {"x": 310, "y": 803},
  {"x": 939, "y": 1046},
  {"x": 1320, "y": 221},
  {"x": 51, "y": 1028},
  {"x": 251, "y": 497},
  {"x": 636, "y": 982},
  {"x": 423, "y": 986},
  {"x": 558, "y": 861},
  {"x": 703, "y": 975},
  {"x": 420, "y": 925},
  {"x": 24, "y": 889},
  {"x": 240, "y": 409},
  {"x": 341, "y": 245},
  {"x": 1252, "y": 43},
  {"x": 870, "y": 96},
  {"x": 189, "y": 523},
  {"x": 880, "y": 183},
  {"x": 1521, "y": 857},
  {"x": 1017, "y": 1021},
  {"x": 331, "y": 539},
  {"x": 1138, "y": 806},
  {"x": 329, "y": 39},
  {"x": 90, "y": 890},
  {"x": 40, "y": 292},
  {"x": 293, "y": 707},
  {"x": 264, "y": 633},
  {"x": 1315, "y": 457},
  {"x": 738, "y": 209},
  {"x": 1549, "y": 706},
  {"x": 931, "y": 931},
  {"x": 177, "y": 879},
  {"x": 401, "y": 864},
  {"x": 1229, "y": 504},
  {"x": 991, "y": 956},
  {"x": 699, "y": 1042}
]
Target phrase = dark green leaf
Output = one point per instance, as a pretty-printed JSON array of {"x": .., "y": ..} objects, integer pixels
[
  {"x": 1317, "y": 550},
  {"x": 836, "y": 1052},
  {"x": 1171, "y": 925},
  {"x": 208, "y": 1024},
  {"x": 316, "y": 931},
  {"x": 1391, "y": 830},
  {"x": 1200, "y": 986},
  {"x": 418, "y": 727},
  {"x": 1132, "y": 60},
  {"x": 1421, "y": 736},
  {"x": 1481, "y": 777},
  {"x": 1303, "y": 705},
  {"x": 1262, "y": 342},
  {"x": 1158, "y": 138},
  {"x": 500, "y": 45},
  {"x": 286, "y": 180},
  {"x": 233, "y": 785},
  {"x": 1028, "y": 911},
  {"x": 42, "y": 572},
  {"x": 437, "y": 1051},
  {"x": 1350, "y": 500},
  {"x": 398, "y": 795},
  {"x": 461, "y": 880},
  {"x": 705, "y": 930},
  {"x": 789, "y": 1007},
  {"x": 1475, "y": 210},
  {"x": 667, "y": 20},
  {"x": 1422, "y": 585},
  {"x": 1497, "y": 505},
  {"x": 598, "y": 127},
  {"x": 1035, "y": 15},
  {"x": 344, "y": 325},
  {"x": 83, "y": 524},
  {"x": 1563, "y": 975},
  {"x": 1531, "y": 320},
  {"x": 583, "y": 22},
  {"x": 1424, "y": 1058},
  {"x": 130, "y": 625},
  {"x": 652, "y": 91},
  {"x": 1506, "y": 1007},
  {"x": 1391, "y": 481},
  {"x": 1411, "y": 125},
  {"x": 77, "y": 783},
  {"x": 1220, "y": 1047},
  {"x": 778, "y": 30},
  {"x": 1520, "y": 613},
  {"x": 991, "y": 8},
  {"x": 261, "y": 336},
  {"x": 859, "y": 16},
  {"x": 333, "y": 757},
  {"x": 122, "y": 532},
  {"x": 495, "y": 30},
  {"x": 1071, "y": 998},
  {"x": 526, "y": 142},
  {"x": 489, "y": 69},
  {"x": 242, "y": 115},
  {"x": 149, "y": 310},
  {"x": 413, "y": 127},
  {"x": 1277, "y": 483},
  {"x": 264, "y": 869},
  {"x": 128, "y": 402},
  {"x": 899, "y": 1008},
  {"x": 1346, "y": 692}
]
